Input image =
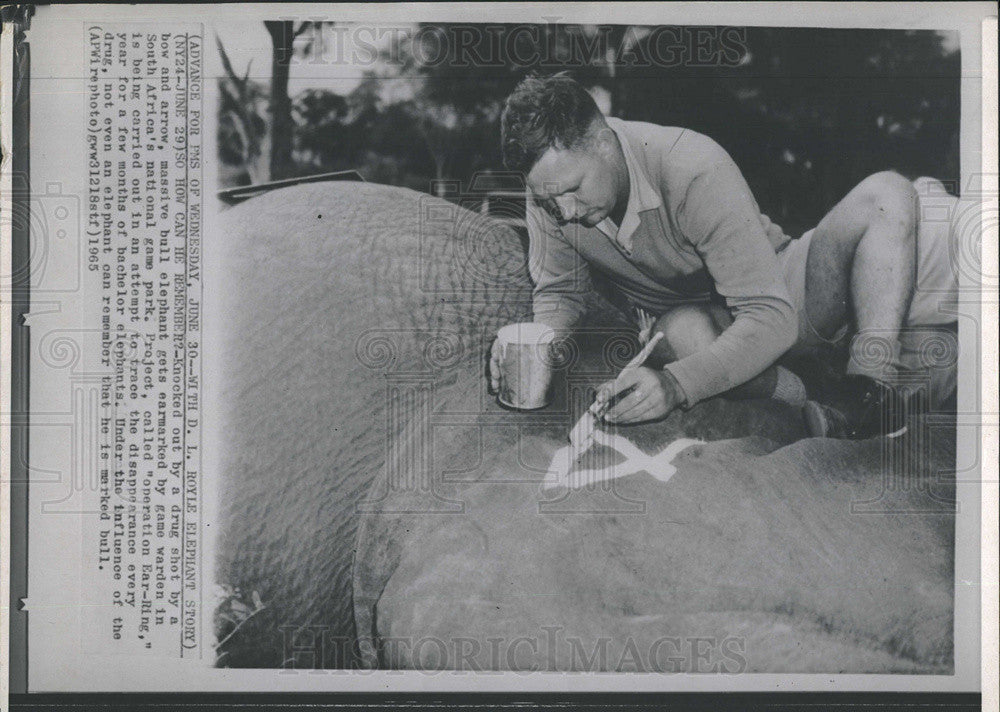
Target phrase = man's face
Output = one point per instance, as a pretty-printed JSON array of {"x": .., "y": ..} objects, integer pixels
[{"x": 580, "y": 185}]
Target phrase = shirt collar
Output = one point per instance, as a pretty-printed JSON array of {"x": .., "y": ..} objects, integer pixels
[{"x": 642, "y": 196}]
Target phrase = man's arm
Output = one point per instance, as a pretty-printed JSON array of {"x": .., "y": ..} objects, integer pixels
[
  {"x": 722, "y": 220},
  {"x": 560, "y": 274}
]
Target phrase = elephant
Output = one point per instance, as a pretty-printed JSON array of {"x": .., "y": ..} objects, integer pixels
[
  {"x": 372, "y": 491},
  {"x": 757, "y": 555},
  {"x": 323, "y": 297}
]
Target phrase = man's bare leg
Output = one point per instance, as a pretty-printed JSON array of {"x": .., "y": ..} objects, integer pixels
[
  {"x": 862, "y": 264},
  {"x": 861, "y": 267}
]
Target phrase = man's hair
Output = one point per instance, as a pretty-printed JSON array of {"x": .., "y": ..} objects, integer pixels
[{"x": 541, "y": 113}]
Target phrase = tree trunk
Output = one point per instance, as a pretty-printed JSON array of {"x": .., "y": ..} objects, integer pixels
[{"x": 282, "y": 35}]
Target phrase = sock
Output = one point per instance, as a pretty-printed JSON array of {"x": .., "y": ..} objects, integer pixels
[
  {"x": 874, "y": 355},
  {"x": 788, "y": 388}
]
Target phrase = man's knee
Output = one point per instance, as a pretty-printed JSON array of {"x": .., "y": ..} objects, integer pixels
[
  {"x": 686, "y": 331},
  {"x": 889, "y": 198}
]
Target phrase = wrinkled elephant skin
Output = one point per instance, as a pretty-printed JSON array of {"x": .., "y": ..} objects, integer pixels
[
  {"x": 332, "y": 299},
  {"x": 750, "y": 558}
]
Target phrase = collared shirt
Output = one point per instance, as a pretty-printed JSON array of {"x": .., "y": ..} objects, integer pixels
[
  {"x": 691, "y": 227},
  {"x": 641, "y": 197}
]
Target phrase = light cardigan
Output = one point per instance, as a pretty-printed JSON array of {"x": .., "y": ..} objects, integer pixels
[{"x": 691, "y": 226}]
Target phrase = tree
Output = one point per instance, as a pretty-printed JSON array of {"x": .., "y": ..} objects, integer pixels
[
  {"x": 242, "y": 127},
  {"x": 320, "y": 127},
  {"x": 283, "y": 36}
]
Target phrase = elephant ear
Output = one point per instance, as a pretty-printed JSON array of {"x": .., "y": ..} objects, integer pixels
[{"x": 334, "y": 307}]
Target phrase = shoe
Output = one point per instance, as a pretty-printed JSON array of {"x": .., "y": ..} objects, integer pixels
[
  {"x": 869, "y": 408},
  {"x": 822, "y": 421}
]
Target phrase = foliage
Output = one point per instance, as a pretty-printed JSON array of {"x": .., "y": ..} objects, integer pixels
[
  {"x": 806, "y": 113},
  {"x": 242, "y": 127}
]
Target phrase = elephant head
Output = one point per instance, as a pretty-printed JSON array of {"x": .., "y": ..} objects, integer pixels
[{"x": 338, "y": 310}]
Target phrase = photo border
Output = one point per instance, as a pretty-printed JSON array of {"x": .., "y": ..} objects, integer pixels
[{"x": 831, "y": 16}]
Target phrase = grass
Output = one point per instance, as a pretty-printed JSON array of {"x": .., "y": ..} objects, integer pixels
[{"x": 233, "y": 610}]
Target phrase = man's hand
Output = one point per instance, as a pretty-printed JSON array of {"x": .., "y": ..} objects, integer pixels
[{"x": 657, "y": 393}]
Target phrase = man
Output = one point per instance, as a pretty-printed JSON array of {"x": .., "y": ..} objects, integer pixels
[{"x": 668, "y": 217}]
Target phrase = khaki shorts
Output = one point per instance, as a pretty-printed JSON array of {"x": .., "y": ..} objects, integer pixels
[{"x": 792, "y": 261}]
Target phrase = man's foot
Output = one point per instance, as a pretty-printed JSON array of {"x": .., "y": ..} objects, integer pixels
[{"x": 866, "y": 408}]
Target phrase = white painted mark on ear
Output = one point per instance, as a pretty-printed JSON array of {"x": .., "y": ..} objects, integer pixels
[{"x": 659, "y": 466}]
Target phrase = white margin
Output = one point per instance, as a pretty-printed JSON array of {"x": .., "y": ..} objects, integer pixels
[
  {"x": 826, "y": 14},
  {"x": 6, "y": 99},
  {"x": 990, "y": 611}
]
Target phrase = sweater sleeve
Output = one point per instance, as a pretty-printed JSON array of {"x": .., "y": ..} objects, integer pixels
[
  {"x": 721, "y": 219},
  {"x": 560, "y": 273}
]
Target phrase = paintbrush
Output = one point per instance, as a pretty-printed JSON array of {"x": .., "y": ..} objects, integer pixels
[{"x": 583, "y": 432}]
